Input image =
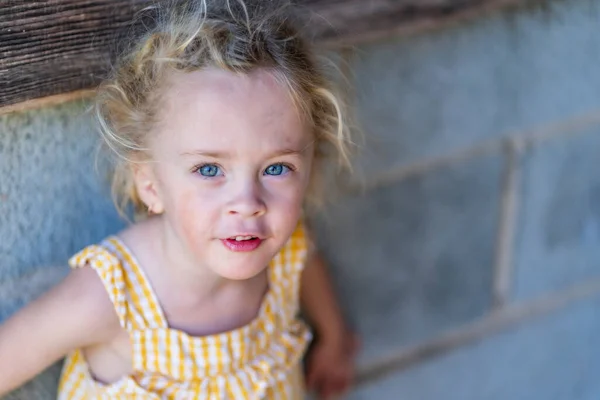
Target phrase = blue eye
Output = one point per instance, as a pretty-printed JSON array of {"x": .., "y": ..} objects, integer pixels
[
  {"x": 277, "y": 169},
  {"x": 209, "y": 170}
]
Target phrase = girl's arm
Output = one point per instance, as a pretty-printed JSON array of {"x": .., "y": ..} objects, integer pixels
[
  {"x": 75, "y": 314},
  {"x": 330, "y": 361},
  {"x": 319, "y": 302}
]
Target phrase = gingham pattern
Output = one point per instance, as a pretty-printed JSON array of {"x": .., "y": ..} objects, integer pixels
[{"x": 259, "y": 360}]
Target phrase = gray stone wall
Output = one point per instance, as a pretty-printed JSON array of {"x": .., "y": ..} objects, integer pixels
[
  {"x": 466, "y": 248},
  {"x": 53, "y": 201},
  {"x": 467, "y": 251}
]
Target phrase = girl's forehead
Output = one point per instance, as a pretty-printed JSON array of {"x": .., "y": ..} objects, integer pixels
[
  {"x": 220, "y": 107},
  {"x": 214, "y": 91},
  {"x": 217, "y": 85}
]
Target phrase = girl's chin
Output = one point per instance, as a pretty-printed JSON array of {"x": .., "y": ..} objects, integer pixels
[{"x": 242, "y": 273}]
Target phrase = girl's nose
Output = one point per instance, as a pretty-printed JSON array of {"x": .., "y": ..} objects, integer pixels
[{"x": 247, "y": 202}]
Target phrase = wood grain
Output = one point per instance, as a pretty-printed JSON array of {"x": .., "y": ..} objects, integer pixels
[{"x": 57, "y": 46}]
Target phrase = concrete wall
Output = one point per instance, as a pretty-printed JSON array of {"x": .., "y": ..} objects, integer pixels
[
  {"x": 53, "y": 201},
  {"x": 467, "y": 250},
  {"x": 469, "y": 256}
]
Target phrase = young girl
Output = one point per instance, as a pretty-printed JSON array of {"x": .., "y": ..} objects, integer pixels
[{"x": 221, "y": 122}]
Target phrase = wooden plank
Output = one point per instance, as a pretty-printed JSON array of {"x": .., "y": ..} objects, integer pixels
[{"x": 57, "y": 46}]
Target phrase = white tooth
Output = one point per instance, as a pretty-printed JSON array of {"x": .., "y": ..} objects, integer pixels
[{"x": 240, "y": 238}]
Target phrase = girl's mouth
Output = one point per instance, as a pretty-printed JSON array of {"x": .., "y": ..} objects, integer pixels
[{"x": 242, "y": 243}]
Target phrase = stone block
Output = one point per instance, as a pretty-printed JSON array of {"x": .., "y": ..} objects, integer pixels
[
  {"x": 415, "y": 258},
  {"x": 558, "y": 242},
  {"x": 53, "y": 193},
  {"x": 550, "y": 358},
  {"x": 425, "y": 95}
]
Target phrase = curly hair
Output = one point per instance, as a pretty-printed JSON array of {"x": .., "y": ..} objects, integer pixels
[{"x": 231, "y": 35}]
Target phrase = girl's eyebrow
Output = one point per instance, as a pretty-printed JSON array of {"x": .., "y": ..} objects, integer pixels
[
  {"x": 225, "y": 155},
  {"x": 204, "y": 153}
]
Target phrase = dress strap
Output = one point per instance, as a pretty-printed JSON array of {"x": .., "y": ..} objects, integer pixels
[
  {"x": 110, "y": 272},
  {"x": 127, "y": 286},
  {"x": 286, "y": 272},
  {"x": 141, "y": 294}
]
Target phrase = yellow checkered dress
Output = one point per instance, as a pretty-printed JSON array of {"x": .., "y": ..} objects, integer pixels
[{"x": 259, "y": 360}]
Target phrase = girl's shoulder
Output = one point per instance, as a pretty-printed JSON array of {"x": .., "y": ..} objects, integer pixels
[
  {"x": 112, "y": 263},
  {"x": 115, "y": 251}
]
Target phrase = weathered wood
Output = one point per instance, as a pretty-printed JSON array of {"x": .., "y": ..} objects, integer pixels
[{"x": 56, "y": 46}]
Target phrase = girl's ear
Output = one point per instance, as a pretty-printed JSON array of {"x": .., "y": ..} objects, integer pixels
[{"x": 147, "y": 187}]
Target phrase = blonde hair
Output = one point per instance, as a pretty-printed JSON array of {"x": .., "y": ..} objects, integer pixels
[{"x": 229, "y": 35}]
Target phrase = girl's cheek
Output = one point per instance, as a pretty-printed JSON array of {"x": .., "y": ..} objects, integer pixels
[
  {"x": 290, "y": 194},
  {"x": 193, "y": 214},
  {"x": 286, "y": 201}
]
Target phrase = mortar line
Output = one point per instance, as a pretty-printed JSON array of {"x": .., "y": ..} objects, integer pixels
[
  {"x": 494, "y": 322},
  {"x": 570, "y": 126},
  {"x": 400, "y": 173},
  {"x": 536, "y": 135},
  {"x": 507, "y": 218}
]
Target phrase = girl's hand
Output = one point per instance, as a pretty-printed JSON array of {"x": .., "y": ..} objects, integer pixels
[{"x": 330, "y": 365}]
